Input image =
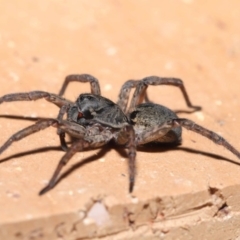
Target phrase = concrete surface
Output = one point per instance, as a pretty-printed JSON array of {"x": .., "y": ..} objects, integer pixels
[{"x": 190, "y": 192}]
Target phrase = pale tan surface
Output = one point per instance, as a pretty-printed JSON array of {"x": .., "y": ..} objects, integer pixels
[{"x": 177, "y": 193}]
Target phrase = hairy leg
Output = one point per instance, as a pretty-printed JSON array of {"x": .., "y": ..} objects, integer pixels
[
  {"x": 153, "y": 134},
  {"x": 131, "y": 156},
  {"x": 159, "y": 131},
  {"x": 190, "y": 125},
  {"x": 35, "y": 95},
  {"x": 60, "y": 131},
  {"x": 126, "y": 136},
  {"x": 78, "y": 145},
  {"x": 40, "y": 125},
  {"x": 140, "y": 92},
  {"x": 95, "y": 87},
  {"x": 68, "y": 127},
  {"x": 123, "y": 96}
]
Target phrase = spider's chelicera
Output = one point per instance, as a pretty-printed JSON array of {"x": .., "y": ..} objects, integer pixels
[{"x": 94, "y": 120}]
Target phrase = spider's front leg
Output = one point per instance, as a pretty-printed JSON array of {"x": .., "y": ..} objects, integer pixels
[
  {"x": 35, "y": 95},
  {"x": 60, "y": 131},
  {"x": 70, "y": 128},
  {"x": 126, "y": 136},
  {"x": 93, "y": 137},
  {"x": 40, "y": 125},
  {"x": 76, "y": 147}
]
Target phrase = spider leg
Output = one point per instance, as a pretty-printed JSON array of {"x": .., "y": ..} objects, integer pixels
[
  {"x": 60, "y": 132},
  {"x": 123, "y": 96},
  {"x": 40, "y": 125},
  {"x": 190, "y": 125},
  {"x": 127, "y": 136},
  {"x": 71, "y": 128},
  {"x": 76, "y": 147},
  {"x": 53, "y": 98},
  {"x": 141, "y": 88},
  {"x": 95, "y": 87},
  {"x": 93, "y": 141},
  {"x": 154, "y": 134},
  {"x": 35, "y": 95},
  {"x": 159, "y": 131}
]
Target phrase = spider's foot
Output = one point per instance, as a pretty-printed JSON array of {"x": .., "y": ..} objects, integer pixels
[
  {"x": 197, "y": 108},
  {"x": 44, "y": 190},
  {"x": 131, "y": 185}
]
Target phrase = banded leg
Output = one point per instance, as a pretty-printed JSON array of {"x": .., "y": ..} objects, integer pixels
[
  {"x": 141, "y": 88},
  {"x": 131, "y": 156},
  {"x": 95, "y": 87},
  {"x": 126, "y": 136},
  {"x": 40, "y": 125},
  {"x": 71, "y": 128},
  {"x": 190, "y": 125},
  {"x": 123, "y": 96},
  {"x": 35, "y": 95},
  {"x": 161, "y": 130},
  {"x": 81, "y": 144},
  {"x": 78, "y": 145},
  {"x": 155, "y": 134},
  {"x": 60, "y": 132}
]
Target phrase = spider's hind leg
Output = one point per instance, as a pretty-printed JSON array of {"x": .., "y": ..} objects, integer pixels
[
  {"x": 190, "y": 125},
  {"x": 140, "y": 92},
  {"x": 162, "y": 133}
]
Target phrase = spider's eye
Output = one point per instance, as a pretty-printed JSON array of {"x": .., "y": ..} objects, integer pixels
[
  {"x": 81, "y": 98},
  {"x": 89, "y": 97},
  {"x": 80, "y": 115}
]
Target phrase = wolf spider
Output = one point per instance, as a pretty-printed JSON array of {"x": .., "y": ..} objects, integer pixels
[{"x": 93, "y": 120}]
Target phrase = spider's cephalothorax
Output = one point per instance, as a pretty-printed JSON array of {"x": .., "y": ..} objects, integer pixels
[
  {"x": 92, "y": 121},
  {"x": 90, "y": 108}
]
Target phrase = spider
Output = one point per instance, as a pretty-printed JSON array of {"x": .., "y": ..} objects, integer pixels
[{"x": 93, "y": 120}]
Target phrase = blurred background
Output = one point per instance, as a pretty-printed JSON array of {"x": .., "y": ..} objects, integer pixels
[{"x": 198, "y": 41}]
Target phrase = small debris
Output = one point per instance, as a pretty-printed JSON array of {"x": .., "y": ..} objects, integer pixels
[
  {"x": 88, "y": 221},
  {"x": 135, "y": 200},
  {"x": 218, "y": 102},
  {"x": 14, "y": 76},
  {"x": 13, "y": 194},
  {"x": 18, "y": 169},
  {"x": 200, "y": 116},
  {"x": 102, "y": 160}
]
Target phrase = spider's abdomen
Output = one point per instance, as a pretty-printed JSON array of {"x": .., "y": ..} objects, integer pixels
[{"x": 147, "y": 116}]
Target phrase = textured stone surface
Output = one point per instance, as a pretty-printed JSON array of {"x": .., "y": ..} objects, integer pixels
[{"x": 190, "y": 192}]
